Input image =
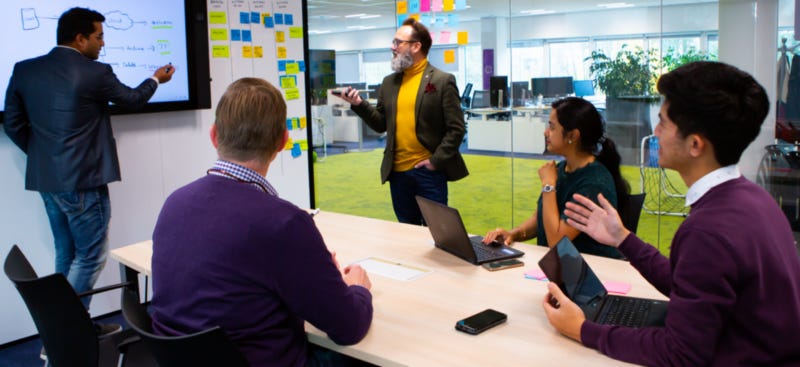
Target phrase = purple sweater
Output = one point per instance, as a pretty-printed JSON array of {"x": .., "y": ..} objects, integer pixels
[
  {"x": 733, "y": 279},
  {"x": 228, "y": 254}
]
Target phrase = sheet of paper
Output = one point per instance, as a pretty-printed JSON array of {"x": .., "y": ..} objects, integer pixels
[{"x": 392, "y": 269}]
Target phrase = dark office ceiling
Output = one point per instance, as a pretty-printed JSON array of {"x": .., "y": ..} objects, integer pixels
[{"x": 332, "y": 16}]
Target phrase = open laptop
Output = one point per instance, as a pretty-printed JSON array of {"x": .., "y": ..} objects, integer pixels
[
  {"x": 565, "y": 266},
  {"x": 450, "y": 235}
]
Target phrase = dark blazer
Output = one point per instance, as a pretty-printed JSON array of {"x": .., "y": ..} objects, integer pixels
[
  {"x": 439, "y": 120},
  {"x": 57, "y": 112}
]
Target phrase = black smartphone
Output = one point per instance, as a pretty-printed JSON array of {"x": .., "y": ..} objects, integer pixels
[
  {"x": 337, "y": 93},
  {"x": 502, "y": 264},
  {"x": 481, "y": 321}
]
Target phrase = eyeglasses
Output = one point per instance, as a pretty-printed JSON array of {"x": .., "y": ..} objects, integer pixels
[{"x": 396, "y": 42}]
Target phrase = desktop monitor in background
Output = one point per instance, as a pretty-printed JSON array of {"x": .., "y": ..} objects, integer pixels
[
  {"x": 552, "y": 87},
  {"x": 480, "y": 99},
  {"x": 498, "y": 88},
  {"x": 583, "y": 88},
  {"x": 520, "y": 94}
]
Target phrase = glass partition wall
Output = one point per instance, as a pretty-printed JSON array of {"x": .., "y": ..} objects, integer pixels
[{"x": 610, "y": 54}]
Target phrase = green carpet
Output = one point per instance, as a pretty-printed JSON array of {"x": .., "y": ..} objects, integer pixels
[{"x": 487, "y": 198}]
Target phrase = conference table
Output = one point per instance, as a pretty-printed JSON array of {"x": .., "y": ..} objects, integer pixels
[{"x": 414, "y": 316}]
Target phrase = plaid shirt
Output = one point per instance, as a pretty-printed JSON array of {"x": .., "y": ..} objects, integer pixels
[{"x": 243, "y": 174}]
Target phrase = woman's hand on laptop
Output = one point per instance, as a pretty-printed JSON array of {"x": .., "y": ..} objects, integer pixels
[
  {"x": 499, "y": 235},
  {"x": 356, "y": 275},
  {"x": 562, "y": 313}
]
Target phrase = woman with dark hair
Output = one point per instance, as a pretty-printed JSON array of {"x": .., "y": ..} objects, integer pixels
[{"x": 590, "y": 167}]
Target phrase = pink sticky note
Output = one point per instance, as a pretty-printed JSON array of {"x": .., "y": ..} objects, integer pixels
[
  {"x": 444, "y": 37},
  {"x": 425, "y": 5},
  {"x": 617, "y": 287},
  {"x": 535, "y": 274}
]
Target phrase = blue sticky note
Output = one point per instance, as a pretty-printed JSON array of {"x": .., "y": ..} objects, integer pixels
[
  {"x": 296, "y": 150},
  {"x": 461, "y": 4},
  {"x": 413, "y": 6},
  {"x": 288, "y": 19},
  {"x": 301, "y": 66},
  {"x": 247, "y": 35},
  {"x": 269, "y": 22},
  {"x": 282, "y": 65},
  {"x": 244, "y": 17},
  {"x": 400, "y": 19},
  {"x": 255, "y": 18},
  {"x": 426, "y": 19},
  {"x": 289, "y": 124},
  {"x": 236, "y": 35},
  {"x": 278, "y": 18},
  {"x": 440, "y": 22},
  {"x": 452, "y": 20}
]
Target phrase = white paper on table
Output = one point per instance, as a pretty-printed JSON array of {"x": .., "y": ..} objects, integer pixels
[{"x": 391, "y": 269}]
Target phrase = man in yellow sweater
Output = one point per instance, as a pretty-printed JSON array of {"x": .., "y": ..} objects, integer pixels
[{"x": 420, "y": 110}]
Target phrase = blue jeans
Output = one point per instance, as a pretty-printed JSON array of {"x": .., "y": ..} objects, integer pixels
[
  {"x": 79, "y": 221},
  {"x": 418, "y": 181}
]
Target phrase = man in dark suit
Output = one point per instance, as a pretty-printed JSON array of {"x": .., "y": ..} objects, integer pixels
[
  {"x": 419, "y": 108},
  {"x": 57, "y": 112}
]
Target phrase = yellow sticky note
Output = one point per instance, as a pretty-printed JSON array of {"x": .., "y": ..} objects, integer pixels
[
  {"x": 292, "y": 68},
  {"x": 289, "y": 144},
  {"x": 247, "y": 52},
  {"x": 415, "y": 16},
  {"x": 449, "y": 56},
  {"x": 280, "y": 37},
  {"x": 303, "y": 144},
  {"x": 220, "y": 51},
  {"x": 281, "y": 52},
  {"x": 258, "y": 51},
  {"x": 296, "y": 123},
  {"x": 291, "y": 94},
  {"x": 463, "y": 38},
  {"x": 295, "y": 32},
  {"x": 265, "y": 16},
  {"x": 448, "y": 5},
  {"x": 302, "y": 125},
  {"x": 217, "y": 17},
  {"x": 288, "y": 82},
  {"x": 402, "y": 7},
  {"x": 219, "y": 34}
]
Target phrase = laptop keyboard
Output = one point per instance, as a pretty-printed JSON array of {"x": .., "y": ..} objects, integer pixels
[
  {"x": 483, "y": 251},
  {"x": 624, "y": 311}
]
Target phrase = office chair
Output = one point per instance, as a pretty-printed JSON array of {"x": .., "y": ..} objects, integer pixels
[
  {"x": 67, "y": 332},
  {"x": 465, "y": 97},
  {"x": 209, "y": 347},
  {"x": 631, "y": 210}
]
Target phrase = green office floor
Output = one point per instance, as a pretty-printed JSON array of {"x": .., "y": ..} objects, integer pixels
[{"x": 350, "y": 183}]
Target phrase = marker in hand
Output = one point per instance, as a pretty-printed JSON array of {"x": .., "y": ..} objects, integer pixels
[{"x": 169, "y": 67}]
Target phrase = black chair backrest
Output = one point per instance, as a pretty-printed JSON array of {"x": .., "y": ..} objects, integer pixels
[
  {"x": 631, "y": 211},
  {"x": 64, "y": 325},
  {"x": 210, "y": 347}
]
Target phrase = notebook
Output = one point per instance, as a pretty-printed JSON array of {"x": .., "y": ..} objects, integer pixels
[
  {"x": 565, "y": 266},
  {"x": 449, "y": 234}
]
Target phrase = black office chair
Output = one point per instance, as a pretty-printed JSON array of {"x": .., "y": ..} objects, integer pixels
[
  {"x": 65, "y": 327},
  {"x": 209, "y": 347},
  {"x": 631, "y": 210}
]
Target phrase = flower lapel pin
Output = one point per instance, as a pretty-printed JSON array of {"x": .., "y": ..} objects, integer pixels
[{"x": 430, "y": 88}]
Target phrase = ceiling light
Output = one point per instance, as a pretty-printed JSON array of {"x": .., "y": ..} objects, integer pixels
[
  {"x": 355, "y": 15},
  {"x": 317, "y": 32},
  {"x": 360, "y": 27},
  {"x": 537, "y": 11},
  {"x": 370, "y": 16},
  {"x": 615, "y": 5}
]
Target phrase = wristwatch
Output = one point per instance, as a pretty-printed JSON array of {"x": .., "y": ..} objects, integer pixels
[{"x": 548, "y": 188}]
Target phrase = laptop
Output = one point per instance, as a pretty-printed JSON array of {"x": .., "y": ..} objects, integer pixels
[
  {"x": 565, "y": 266},
  {"x": 450, "y": 235}
]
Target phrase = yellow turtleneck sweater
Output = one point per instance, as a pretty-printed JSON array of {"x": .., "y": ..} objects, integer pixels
[{"x": 408, "y": 150}]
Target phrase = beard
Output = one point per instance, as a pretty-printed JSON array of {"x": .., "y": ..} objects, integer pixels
[{"x": 402, "y": 61}]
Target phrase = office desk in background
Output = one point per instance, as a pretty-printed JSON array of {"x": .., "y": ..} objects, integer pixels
[
  {"x": 414, "y": 320},
  {"x": 524, "y": 133}
]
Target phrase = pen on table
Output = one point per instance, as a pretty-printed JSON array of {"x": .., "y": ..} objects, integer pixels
[{"x": 314, "y": 212}]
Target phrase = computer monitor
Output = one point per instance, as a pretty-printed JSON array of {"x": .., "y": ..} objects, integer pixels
[
  {"x": 480, "y": 99},
  {"x": 552, "y": 87},
  {"x": 583, "y": 88},
  {"x": 498, "y": 86},
  {"x": 520, "y": 93}
]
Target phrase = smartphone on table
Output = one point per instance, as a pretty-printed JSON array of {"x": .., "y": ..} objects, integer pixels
[
  {"x": 481, "y": 321},
  {"x": 502, "y": 264}
]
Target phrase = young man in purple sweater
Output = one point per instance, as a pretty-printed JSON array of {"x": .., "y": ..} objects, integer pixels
[
  {"x": 733, "y": 275},
  {"x": 228, "y": 251}
]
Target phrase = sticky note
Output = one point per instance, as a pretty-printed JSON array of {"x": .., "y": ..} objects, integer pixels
[
  {"x": 301, "y": 66},
  {"x": 296, "y": 32},
  {"x": 282, "y": 65},
  {"x": 247, "y": 52},
  {"x": 461, "y": 4},
  {"x": 296, "y": 150},
  {"x": 292, "y": 93},
  {"x": 289, "y": 81},
  {"x": 449, "y": 56},
  {"x": 303, "y": 123},
  {"x": 303, "y": 144},
  {"x": 281, "y": 52},
  {"x": 413, "y": 6},
  {"x": 448, "y": 5},
  {"x": 247, "y": 35},
  {"x": 444, "y": 37},
  {"x": 220, "y": 51},
  {"x": 452, "y": 20},
  {"x": 244, "y": 17},
  {"x": 219, "y": 34},
  {"x": 436, "y": 5},
  {"x": 415, "y": 16},
  {"x": 288, "y": 19},
  {"x": 425, "y": 5},
  {"x": 463, "y": 38},
  {"x": 292, "y": 68},
  {"x": 269, "y": 22},
  {"x": 217, "y": 17},
  {"x": 236, "y": 34},
  {"x": 278, "y": 18},
  {"x": 289, "y": 125},
  {"x": 280, "y": 37},
  {"x": 439, "y": 22},
  {"x": 427, "y": 20},
  {"x": 535, "y": 274},
  {"x": 255, "y": 17},
  {"x": 258, "y": 51},
  {"x": 400, "y": 19},
  {"x": 402, "y": 7},
  {"x": 617, "y": 287},
  {"x": 289, "y": 142}
]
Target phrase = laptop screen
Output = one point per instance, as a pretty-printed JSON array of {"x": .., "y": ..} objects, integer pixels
[{"x": 571, "y": 272}]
